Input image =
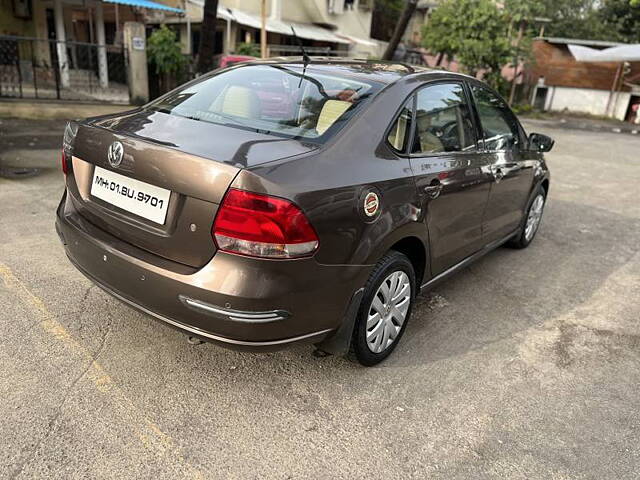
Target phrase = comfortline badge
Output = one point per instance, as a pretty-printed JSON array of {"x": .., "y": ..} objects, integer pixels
[{"x": 371, "y": 204}]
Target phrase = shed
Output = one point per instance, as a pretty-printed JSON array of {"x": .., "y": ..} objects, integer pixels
[{"x": 596, "y": 87}]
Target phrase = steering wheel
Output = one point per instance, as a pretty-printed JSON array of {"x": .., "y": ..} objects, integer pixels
[{"x": 449, "y": 128}]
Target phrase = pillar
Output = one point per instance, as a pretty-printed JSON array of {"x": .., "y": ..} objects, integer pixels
[
  {"x": 103, "y": 69},
  {"x": 61, "y": 45},
  {"x": 137, "y": 76}
]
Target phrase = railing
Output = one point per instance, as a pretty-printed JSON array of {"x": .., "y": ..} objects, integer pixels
[
  {"x": 294, "y": 50},
  {"x": 30, "y": 68}
]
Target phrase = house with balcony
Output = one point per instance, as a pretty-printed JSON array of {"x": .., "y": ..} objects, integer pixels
[
  {"x": 68, "y": 49},
  {"x": 325, "y": 27}
]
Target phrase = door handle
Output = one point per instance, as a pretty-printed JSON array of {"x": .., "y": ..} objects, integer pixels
[{"x": 433, "y": 190}]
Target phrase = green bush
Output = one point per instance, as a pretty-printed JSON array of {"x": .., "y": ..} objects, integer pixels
[
  {"x": 249, "y": 49},
  {"x": 163, "y": 52}
]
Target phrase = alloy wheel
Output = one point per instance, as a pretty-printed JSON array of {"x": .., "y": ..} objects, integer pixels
[{"x": 534, "y": 217}]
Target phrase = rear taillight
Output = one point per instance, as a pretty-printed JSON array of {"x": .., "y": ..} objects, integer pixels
[
  {"x": 70, "y": 132},
  {"x": 262, "y": 226},
  {"x": 66, "y": 167}
]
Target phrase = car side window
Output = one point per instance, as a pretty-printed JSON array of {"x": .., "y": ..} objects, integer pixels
[
  {"x": 443, "y": 120},
  {"x": 401, "y": 128},
  {"x": 498, "y": 128}
]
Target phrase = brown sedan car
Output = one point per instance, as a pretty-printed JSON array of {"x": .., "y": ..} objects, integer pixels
[{"x": 275, "y": 202}]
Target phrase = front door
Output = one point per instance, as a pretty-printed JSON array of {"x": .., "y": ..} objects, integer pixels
[
  {"x": 452, "y": 175},
  {"x": 512, "y": 171}
]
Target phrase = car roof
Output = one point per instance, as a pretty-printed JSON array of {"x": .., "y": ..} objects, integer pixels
[{"x": 376, "y": 70}]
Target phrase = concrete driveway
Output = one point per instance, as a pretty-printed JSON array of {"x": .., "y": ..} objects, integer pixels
[{"x": 525, "y": 365}]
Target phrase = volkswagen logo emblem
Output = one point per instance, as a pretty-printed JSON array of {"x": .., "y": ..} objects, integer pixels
[{"x": 115, "y": 154}]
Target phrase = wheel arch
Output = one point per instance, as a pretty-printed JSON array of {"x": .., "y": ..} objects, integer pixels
[
  {"x": 545, "y": 185},
  {"x": 416, "y": 252},
  {"x": 412, "y": 240}
]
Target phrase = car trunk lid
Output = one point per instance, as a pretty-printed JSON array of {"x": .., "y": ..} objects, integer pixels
[
  {"x": 194, "y": 187},
  {"x": 194, "y": 161}
]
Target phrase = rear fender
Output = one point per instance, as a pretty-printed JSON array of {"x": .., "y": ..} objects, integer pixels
[{"x": 416, "y": 230}]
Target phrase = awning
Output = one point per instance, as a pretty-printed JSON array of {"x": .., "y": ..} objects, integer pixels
[
  {"x": 145, "y": 4},
  {"x": 621, "y": 53},
  {"x": 360, "y": 41}
]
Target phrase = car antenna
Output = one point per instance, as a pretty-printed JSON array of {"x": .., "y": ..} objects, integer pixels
[{"x": 305, "y": 58}]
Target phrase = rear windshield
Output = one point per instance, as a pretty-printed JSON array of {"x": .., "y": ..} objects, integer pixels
[{"x": 272, "y": 99}]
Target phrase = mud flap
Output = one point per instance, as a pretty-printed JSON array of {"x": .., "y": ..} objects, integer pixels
[{"x": 340, "y": 341}]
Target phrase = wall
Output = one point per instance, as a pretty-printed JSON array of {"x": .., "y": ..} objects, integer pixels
[
  {"x": 355, "y": 22},
  {"x": 584, "y": 100},
  {"x": 10, "y": 25},
  {"x": 413, "y": 34}
]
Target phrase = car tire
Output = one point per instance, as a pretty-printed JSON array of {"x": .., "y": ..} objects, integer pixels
[
  {"x": 534, "y": 212},
  {"x": 374, "y": 338}
]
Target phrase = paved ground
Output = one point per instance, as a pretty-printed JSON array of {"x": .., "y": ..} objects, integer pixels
[{"x": 525, "y": 365}]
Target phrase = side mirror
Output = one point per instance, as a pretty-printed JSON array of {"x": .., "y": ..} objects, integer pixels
[{"x": 540, "y": 143}]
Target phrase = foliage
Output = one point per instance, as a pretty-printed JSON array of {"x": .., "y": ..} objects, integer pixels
[
  {"x": 623, "y": 18},
  {"x": 249, "y": 49},
  {"x": 613, "y": 20},
  {"x": 475, "y": 32},
  {"x": 522, "y": 109},
  {"x": 164, "y": 51}
]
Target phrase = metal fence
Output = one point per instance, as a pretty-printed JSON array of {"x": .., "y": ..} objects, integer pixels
[{"x": 29, "y": 68}]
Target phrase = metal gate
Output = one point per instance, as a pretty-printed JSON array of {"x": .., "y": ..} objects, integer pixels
[{"x": 29, "y": 68}]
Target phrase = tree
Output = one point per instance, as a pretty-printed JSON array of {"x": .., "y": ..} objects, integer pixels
[
  {"x": 623, "y": 18},
  {"x": 613, "y": 20},
  {"x": 475, "y": 32},
  {"x": 384, "y": 17},
  {"x": 521, "y": 15},
  {"x": 575, "y": 19},
  {"x": 207, "y": 36},
  {"x": 401, "y": 26},
  {"x": 164, "y": 54}
]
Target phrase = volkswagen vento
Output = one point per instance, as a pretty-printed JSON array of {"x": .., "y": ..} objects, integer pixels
[{"x": 278, "y": 202}]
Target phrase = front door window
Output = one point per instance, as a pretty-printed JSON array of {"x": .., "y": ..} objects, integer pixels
[{"x": 498, "y": 127}]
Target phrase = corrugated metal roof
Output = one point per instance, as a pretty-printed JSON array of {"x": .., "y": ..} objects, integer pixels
[
  {"x": 621, "y": 53},
  {"x": 577, "y": 41}
]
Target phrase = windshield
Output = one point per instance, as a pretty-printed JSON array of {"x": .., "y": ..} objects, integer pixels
[{"x": 272, "y": 99}]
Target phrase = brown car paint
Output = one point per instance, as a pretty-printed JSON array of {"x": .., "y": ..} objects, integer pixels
[{"x": 154, "y": 268}]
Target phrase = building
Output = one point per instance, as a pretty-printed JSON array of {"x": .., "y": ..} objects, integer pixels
[
  {"x": 326, "y": 27},
  {"x": 67, "y": 49},
  {"x": 563, "y": 83}
]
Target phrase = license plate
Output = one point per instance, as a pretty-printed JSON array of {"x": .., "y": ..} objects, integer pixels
[{"x": 140, "y": 198}]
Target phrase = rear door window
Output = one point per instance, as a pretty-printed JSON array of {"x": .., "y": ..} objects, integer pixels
[
  {"x": 443, "y": 120},
  {"x": 398, "y": 136}
]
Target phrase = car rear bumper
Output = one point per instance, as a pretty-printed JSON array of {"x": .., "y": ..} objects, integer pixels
[{"x": 236, "y": 301}]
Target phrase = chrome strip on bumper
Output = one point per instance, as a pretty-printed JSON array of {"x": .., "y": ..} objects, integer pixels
[
  {"x": 235, "y": 315},
  {"x": 194, "y": 330}
]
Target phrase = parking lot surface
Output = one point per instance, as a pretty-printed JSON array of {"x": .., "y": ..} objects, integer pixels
[{"x": 524, "y": 365}]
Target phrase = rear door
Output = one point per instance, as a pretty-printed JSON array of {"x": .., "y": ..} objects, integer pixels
[
  {"x": 451, "y": 174},
  {"x": 512, "y": 174}
]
